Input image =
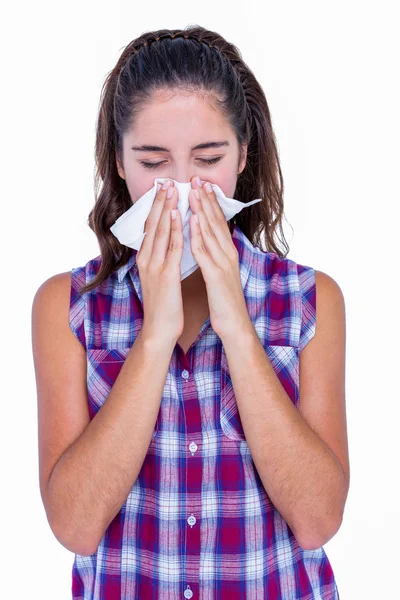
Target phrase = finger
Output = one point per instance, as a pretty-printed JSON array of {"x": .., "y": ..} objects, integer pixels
[
  {"x": 213, "y": 224},
  {"x": 213, "y": 203},
  {"x": 211, "y": 231},
  {"x": 162, "y": 237},
  {"x": 152, "y": 224},
  {"x": 197, "y": 246},
  {"x": 175, "y": 249}
]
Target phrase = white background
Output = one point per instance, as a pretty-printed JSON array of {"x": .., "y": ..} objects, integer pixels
[{"x": 330, "y": 72}]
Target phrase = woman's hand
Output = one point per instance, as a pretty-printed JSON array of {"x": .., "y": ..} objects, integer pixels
[
  {"x": 212, "y": 246},
  {"x": 159, "y": 264}
]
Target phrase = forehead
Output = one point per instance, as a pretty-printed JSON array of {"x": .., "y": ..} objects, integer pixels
[{"x": 181, "y": 115}]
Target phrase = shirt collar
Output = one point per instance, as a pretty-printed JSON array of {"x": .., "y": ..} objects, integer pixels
[
  {"x": 122, "y": 271},
  {"x": 243, "y": 245}
]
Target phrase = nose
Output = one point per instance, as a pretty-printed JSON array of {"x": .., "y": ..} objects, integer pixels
[{"x": 184, "y": 178}]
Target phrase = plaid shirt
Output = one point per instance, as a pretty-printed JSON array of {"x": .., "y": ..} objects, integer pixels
[{"x": 198, "y": 522}]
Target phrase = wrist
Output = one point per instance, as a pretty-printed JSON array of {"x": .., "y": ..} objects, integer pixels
[{"x": 156, "y": 339}]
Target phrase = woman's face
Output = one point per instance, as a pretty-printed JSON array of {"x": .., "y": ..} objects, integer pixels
[{"x": 178, "y": 122}]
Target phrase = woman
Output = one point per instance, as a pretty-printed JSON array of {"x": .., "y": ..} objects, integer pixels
[{"x": 192, "y": 434}]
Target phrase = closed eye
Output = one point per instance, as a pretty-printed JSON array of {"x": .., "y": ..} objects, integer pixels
[{"x": 210, "y": 161}]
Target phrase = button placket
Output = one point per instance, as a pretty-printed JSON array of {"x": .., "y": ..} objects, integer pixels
[{"x": 192, "y": 416}]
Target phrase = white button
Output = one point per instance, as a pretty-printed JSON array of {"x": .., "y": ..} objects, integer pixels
[
  {"x": 185, "y": 373},
  {"x": 193, "y": 447},
  {"x": 191, "y": 520},
  {"x": 188, "y": 592}
]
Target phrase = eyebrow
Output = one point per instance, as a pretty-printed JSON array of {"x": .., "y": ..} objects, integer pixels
[{"x": 148, "y": 148}]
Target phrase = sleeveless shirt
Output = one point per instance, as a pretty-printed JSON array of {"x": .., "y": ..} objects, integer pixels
[{"x": 198, "y": 522}]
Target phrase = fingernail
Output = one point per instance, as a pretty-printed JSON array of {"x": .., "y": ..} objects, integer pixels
[
  {"x": 158, "y": 187},
  {"x": 198, "y": 180},
  {"x": 170, "y": 192},
  {"x": 166, "y": 184}
]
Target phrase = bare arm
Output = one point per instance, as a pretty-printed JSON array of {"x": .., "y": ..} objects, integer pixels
[
  {"x": 301, "y": 454},
  {"x": 92, "y": 476},
  {"x": 87, "y": 467}
]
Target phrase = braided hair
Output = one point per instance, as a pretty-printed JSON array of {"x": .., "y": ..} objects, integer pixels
[{"x": 201, "y": 60}]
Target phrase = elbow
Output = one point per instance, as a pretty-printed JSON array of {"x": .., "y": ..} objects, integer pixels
[
  {"x": 319, "y": 538},
  {"x": 75, "y": 542},
  {"x": 75, "y": 535},
  {"x": 317, "y": 527},
  {"x": 76, "y": 545},
  {"x": 314, "y": 531}
]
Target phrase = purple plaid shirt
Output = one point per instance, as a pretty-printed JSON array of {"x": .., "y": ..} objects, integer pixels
[{"x": 198, "y": 522}]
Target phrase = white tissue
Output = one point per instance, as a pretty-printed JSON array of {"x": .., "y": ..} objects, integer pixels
[{"x": 129, "y": 227}]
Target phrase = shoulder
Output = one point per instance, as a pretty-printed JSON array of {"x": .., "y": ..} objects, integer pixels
[
  {"x": 50, "y": 309},
  {"x": 66, "y": 285},
  {"x": 330, "y": 303},
  {"x": 321, "y": 290},
  {"x": 313, "y": 295},
  {"x": 284, "y": 270},
  {"x": 54, "y": 291},
  {"x": 51, "y": 302},
  {"x": 323, "y": 319},
  {"x": 327, "y": 284},
  {"x": 57, "y": 310}
]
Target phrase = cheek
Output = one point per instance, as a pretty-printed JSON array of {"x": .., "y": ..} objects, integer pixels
[
  {"x": 226, "y": 180},
  {"x": 138, "y": 184}
]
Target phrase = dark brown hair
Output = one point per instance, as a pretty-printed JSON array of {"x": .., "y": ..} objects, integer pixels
[{"x": 197, "y": 59}]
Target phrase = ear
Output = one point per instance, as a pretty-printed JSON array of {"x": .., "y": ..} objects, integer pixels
[
  {"x": 120, "y": 168},
  {"x": 243, "y": 159}
]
